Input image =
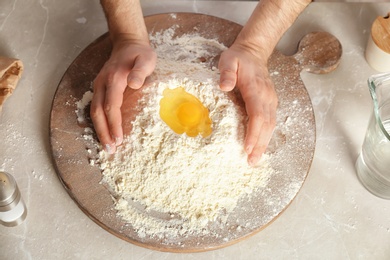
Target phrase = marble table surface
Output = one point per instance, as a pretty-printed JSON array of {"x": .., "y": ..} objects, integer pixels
[{"x": 332, "y": 217}]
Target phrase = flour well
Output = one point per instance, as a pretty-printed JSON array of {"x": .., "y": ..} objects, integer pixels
[{"x": 169, "y": 185}]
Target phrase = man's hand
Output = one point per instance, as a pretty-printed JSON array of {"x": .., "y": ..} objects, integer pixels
[
  {"x": 244, "y": 65},
  {"x": 245, "y": 68},
  {"x": 129, "y": 64}
]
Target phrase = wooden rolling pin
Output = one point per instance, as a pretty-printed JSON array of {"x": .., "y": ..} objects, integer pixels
[{"x": 378, "y": 47}]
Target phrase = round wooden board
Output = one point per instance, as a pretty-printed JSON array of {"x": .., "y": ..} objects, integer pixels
[{"x": 292, "y": 144}]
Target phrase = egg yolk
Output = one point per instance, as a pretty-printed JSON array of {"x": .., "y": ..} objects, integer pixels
[
  {"x": 184, "y": 113},
  {"x": 189, "y": 114}
]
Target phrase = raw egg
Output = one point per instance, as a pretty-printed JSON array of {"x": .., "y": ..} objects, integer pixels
[{"x": 184, "y": 113}]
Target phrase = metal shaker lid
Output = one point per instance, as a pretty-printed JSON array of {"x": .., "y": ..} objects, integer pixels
[{"x": 8, "y": 190}]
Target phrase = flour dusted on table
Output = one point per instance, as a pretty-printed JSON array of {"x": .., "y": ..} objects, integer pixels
[{"x": 169, "y": 185}]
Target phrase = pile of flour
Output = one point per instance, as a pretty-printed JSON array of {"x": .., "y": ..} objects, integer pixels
[{"x": 169, "y": 185}]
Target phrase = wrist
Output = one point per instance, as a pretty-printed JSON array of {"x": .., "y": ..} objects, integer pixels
[
  {"x": 261, "y": 53},
  {"x": 268, "y": 22},
  {"x": 259, "y": 48},
  {"x": 121, "y": 39},
  {"x": 125, "y": 21}
]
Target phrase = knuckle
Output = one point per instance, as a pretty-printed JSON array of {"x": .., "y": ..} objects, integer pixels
[
  {"x": 152, "y": 54},
  {"x": 228, "y": 71},
  {"x": 95, "y": 113},
  {"x": 257, "y": 114},
  {"x": 272, "y": 122},
  {"x": 109, "y": 80},
  {"x": 108, "y": 108}
]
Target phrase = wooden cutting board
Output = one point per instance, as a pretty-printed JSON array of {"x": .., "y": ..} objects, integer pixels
[{"x": 292, "y": 144}]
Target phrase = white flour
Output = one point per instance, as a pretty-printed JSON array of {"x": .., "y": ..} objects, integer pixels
[
  {"x": 169, "y": 185},
  {"x": 81, "y": 104}
]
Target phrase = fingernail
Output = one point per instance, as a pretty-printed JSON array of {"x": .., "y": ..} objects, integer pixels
[
  {"x": 248, "y": 149},
  {"x": 226, "y": 84},
  {"x": 110, "y": 148},
  {"x": 118, "y": 141},
  {"x": 251, "y": 162},
  {"x": 134, "y": 83}
]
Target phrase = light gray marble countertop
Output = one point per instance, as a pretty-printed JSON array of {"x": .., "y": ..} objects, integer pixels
[{"x": 333, "y": 216}]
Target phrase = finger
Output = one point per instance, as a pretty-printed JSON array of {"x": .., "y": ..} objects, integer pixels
[
  {"x": 228, "y": 67},
  {"x": 261, "y": 145},
  {"x": 264, "y": 136},
  {"x": 255, "y": 124},
  {"x": 99, "y": 118},
  {"x": 113, "y": 103},
  {"x": 143, "y": 67},
  {"x": 254, "y": 107}
]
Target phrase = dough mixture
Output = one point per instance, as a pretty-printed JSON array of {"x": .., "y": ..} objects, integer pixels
[{"x": 170, "y": 185}]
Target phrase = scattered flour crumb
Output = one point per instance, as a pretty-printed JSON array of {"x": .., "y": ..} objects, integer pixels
[
  {"x": 81, "y": 20},
  {"x": 81, "y": 104}
]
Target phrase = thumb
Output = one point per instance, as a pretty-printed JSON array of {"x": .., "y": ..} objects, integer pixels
[
  {"x": 228, "y": 67},
  {"x": 143, "y": 67}
]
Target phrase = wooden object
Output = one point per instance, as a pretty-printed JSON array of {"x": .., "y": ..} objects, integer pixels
[
  {"x": 292, "y": 144},
  {"x": 380, "y": 33},
  {"x": 378, "y": 46},
  {"x": 10, "y": 73}
]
